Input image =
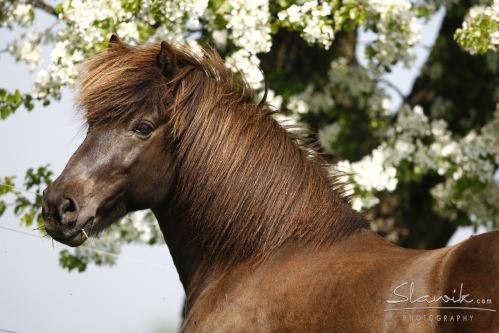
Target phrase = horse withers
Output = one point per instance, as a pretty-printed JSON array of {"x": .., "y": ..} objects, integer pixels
[{"x": 260, "y": 241}]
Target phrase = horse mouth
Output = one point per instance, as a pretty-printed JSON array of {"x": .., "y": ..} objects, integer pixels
[{"x": 74, "y": 237}]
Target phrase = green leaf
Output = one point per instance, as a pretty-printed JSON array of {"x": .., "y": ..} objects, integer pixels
[
  {"x": 10, "y": 102},
  {"x": 3, "y": 207},
  {"x": 6, "y": 186},
  {"x": 72, "y": 262}
]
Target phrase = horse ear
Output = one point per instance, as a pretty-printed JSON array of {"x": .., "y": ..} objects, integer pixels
[
  {"x": 167, "y": 61},
  {"x": 114, "y": 41}
]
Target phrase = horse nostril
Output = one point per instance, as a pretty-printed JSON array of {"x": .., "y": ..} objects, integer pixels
[
  {"x": 67, "y": 206},
  {"x": 68, "y": 212}
]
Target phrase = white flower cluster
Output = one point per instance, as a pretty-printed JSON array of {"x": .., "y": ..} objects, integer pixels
[
  {"x": 328, "y": 135},
  {"x": 475, "y": 156},
  {"x": 83, "y": 17},
  {"x": 249, "y": 29},
  {"x": 128, "y": 30},
  {"x": 394, "y": 23},
  {"x": 310, "y": 100},
  {"x": 90, "y": 23},
  {"x": 397, "y": 31},
  {"x": 369, "y": 175},
  {"x": 353, "y": 81},
  {"x": 479, "y": 202},
  {"x": 300, "y": 104},
  {"x": 26, "y": 49},
  {"x": 348, "y": 82},
  {"x": 17, "y": 13},
  {"x": 430, "y": 147},
  {"x": 176, "y": 19},
  {"x": 61, "y": 71},
  {"x": 312, "y": 19},
  {"x": 249, "y": 65},
  {"x": 22, "y": 13},
  {"x": 480, "y": 29},
  {"x": 274, "y": 100},
  {"x": 471, "y": 185},
  {"x": 82, "y": 35},
  {"x": 248, "y": 23}
]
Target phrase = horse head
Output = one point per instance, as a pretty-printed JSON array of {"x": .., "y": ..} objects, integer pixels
[{"x": 122, "y": 165}]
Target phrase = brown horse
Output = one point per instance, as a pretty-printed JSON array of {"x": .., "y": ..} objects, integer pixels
[{"x": 260, "y": 241}]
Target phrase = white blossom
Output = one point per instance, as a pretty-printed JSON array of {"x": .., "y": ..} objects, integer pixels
[
  {"x": 397, "y": 31},
  {"x": 372, "y": 172},
  {"x": 312, "y": 18},
  {"x": 480, "y": 29},
  {"x": 61, "y": 71},
  {"x": 26, "y": 49},
  {"x": 249, "y": 65},
  {"x": 273, "y": 99},
  {"x": 128, "y": 31},
  {"x": 22, "y": 13},
  {"x": 298, "y": 105},
  {"x": 248, "y": 23},
  {"x": 328, "y": 136},
  {"x": 249, "y": 28},
  {"x": 220, "y": 38},
  {"x": 473, "y": 157}
]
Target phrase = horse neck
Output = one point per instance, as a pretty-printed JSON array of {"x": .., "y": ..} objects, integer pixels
[
  {"x": 187, "y": 255},
  {"x": 244, "y": 188}
]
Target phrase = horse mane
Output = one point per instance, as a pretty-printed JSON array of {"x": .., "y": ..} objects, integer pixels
[{"x": 245, "y": 183}]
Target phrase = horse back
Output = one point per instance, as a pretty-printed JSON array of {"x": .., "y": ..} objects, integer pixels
[{"x": 472, "y": 271}]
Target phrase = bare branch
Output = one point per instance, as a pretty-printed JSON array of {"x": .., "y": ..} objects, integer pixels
[
  {"x": 43, "y": 6},
  {"x": 392, "y": 86}
]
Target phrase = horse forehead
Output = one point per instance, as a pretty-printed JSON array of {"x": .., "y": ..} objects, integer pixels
[{"x": 116, "y": 118}]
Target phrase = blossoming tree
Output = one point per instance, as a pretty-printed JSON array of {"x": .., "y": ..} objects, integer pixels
[{"x": 418, "y": 171}]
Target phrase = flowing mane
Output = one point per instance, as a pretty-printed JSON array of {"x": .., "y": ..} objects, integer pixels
[{"x": 246, "y": 185}]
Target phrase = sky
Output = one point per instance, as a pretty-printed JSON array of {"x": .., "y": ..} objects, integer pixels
[{"x": 142, "y": 292}]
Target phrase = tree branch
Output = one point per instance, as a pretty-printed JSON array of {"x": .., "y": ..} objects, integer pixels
[
  {"x": 394, "y": 87},
  {"x": 40, "y": 4}
]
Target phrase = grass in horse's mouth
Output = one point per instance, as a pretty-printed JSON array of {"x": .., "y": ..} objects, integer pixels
[{"x": 84, "y": 233}]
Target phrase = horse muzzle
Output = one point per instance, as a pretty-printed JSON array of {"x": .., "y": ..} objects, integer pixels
[{"x": 64, "y": 220}]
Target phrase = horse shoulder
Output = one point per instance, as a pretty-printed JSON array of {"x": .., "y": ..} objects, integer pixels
[
  {"x": 286, "y": 294},
  {"x": 227, "y": 307}
]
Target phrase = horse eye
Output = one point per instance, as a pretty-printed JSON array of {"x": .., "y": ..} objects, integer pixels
[{"x": 143, "y": 128}]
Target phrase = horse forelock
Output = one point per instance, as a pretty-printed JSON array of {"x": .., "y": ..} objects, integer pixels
[
  {"x": 121, "y": 80},
  {"x": 240, "y": 200}
]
